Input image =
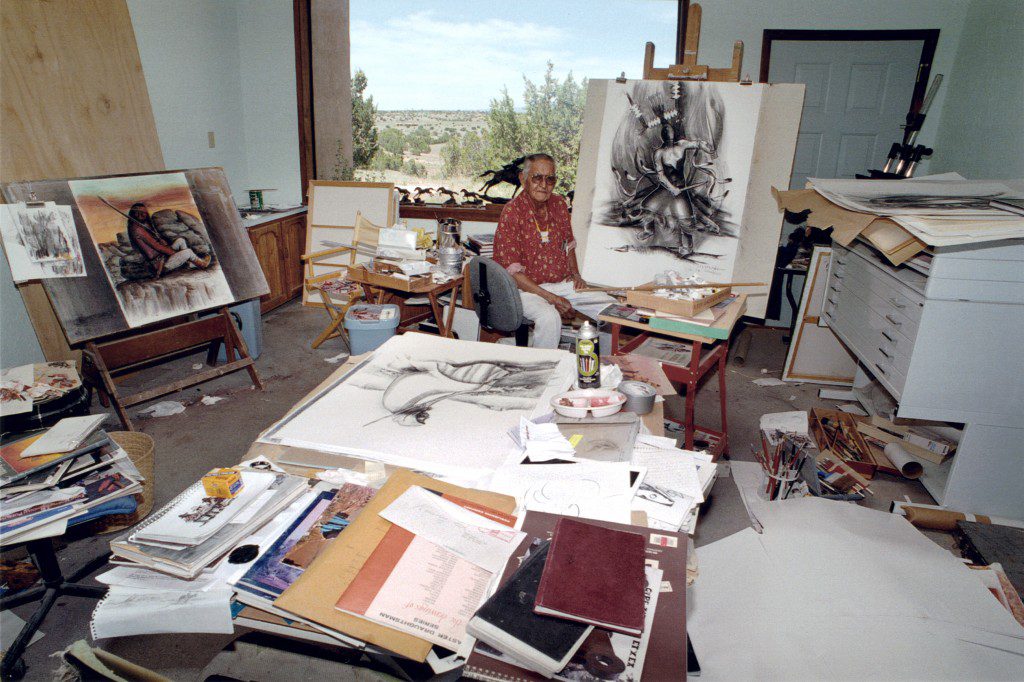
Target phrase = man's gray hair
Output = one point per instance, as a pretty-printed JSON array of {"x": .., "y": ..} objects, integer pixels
[{"x": 530, "y": 158}]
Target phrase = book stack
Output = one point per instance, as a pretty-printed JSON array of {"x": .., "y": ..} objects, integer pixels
[
  {"x": 481, "y": 244},
  {"x": 598, "y": 601},
  {"x": 193, "y": 530},
  {"x": 58, "y": 476}
]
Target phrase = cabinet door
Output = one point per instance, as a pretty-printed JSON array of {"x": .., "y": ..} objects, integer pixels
[
  {"x": 267, "y": 242},
  {"x": 293, "y": 236}
]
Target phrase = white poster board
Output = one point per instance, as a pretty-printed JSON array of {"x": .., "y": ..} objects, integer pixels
[{"x": 677, "y": 176}]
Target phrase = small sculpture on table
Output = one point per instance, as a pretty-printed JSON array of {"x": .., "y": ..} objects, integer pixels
[{"x": 508, "y": 173}]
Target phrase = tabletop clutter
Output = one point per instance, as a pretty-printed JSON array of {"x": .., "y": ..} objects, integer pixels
[{"x": 589, "y": 515}]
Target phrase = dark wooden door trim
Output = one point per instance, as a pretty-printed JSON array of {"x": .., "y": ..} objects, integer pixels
[
  {"x": 930, "y": 36},
  {"x": 304, "y": 93}
]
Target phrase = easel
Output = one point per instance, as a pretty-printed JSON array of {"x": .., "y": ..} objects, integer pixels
[
  {"x": 689, "y": 69},
  {"x": 102, "y": 362}
]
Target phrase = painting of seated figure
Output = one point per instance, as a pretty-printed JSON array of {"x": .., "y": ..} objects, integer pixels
[{"x": 153, "y": 245}]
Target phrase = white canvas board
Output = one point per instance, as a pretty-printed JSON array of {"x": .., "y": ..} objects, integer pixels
[
  {"x": 920, "y": 197},
  {"x": 431, "y": 403},
  {"x": 337, "y": 203},
  {"x": 41, "y": 241},
  {"x": 667, "y": 175}
]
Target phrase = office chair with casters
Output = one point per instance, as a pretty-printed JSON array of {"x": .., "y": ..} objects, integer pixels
[{"x": 497, "y": 301}]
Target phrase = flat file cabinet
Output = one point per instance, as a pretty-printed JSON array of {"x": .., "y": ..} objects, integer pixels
[{"x": 946, "y": 340}]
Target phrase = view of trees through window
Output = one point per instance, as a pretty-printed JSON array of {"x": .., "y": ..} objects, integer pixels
[{"x": 437, "y": 101}]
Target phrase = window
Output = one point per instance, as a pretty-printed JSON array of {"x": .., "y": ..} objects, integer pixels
[{"x": 445, "y": 91}]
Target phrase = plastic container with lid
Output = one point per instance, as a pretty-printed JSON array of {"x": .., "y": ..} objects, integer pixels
[{"x": 369, "y": 326}]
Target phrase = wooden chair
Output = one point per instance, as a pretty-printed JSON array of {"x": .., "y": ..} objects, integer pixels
[{"x": 337, "y": 293}]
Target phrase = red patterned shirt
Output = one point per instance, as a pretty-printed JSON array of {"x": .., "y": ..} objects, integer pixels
[{"x": 518, "y": 242}]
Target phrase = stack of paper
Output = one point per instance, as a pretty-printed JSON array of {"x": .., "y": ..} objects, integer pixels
[
  {"x": 186, "y": 554},
  {"x": 940, "y": 210},
  {"x": 675, "y": 484},
  {"x": 41, "y": 494}
]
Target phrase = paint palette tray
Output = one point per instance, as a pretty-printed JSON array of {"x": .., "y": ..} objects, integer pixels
[
  {"x": 676, "y": 306},
  {"x": 599, "y": 402}
]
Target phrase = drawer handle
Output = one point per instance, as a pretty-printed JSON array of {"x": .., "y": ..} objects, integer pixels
[
  {"x": 835, "y": 289},
  {"x": 880, "y": 369},
  {"x": 888, "y": 338},
  {"x": 831, "y": 301},
  {"x": 893, "y": 321},
  {"x": 884, "y": 353},
  {"x": 836, "y": 275},
  {"x": 896, "y": 304}
]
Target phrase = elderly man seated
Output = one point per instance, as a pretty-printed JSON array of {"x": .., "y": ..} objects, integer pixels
[{"x": 534, "y": 243}]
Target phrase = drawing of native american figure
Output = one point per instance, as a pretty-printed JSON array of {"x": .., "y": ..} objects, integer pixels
[{"x": 669, "y": 178}]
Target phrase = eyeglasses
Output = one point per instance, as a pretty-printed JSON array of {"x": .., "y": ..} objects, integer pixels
[{"x": 545, "y": 179}]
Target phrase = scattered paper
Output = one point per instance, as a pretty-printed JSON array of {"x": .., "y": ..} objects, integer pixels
[
  {"x": 65, "y": 435},
  {"x": 41, "y": 241},
  {"x": 10, "y": 628},
  {"x": 543, "y": 442},
  {"x": 670, "y": 468},
  {"x": 14, "y": 385},
  {"x": 853, "y": 408},
  {"x": 787, "y": 422},
  {"x": 340, "y": 357},
  {"x": 125, "y": 612},
  {"x": 164, "y": 408},
  {"x": 211, "y": 399},
  {"x": 769, "y": 381},
  {"x": 197, "y": 365},
  {"x": 476, "y": 539},
  {"x": 587, "y": 489}
]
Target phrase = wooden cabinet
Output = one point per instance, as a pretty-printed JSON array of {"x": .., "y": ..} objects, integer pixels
[{"x": 279, "y": 246}]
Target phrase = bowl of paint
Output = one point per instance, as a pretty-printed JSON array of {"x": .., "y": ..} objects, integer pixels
[{"x": 599, "y": 402}]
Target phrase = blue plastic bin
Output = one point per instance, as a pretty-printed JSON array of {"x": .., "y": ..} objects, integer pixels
[{"x": 366, "y": 335}]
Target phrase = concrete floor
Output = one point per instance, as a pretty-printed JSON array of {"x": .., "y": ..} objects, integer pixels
[{"x": 190, "y": 443}]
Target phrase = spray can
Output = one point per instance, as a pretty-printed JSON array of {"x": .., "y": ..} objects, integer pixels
[{"x": 588, "y": 357}]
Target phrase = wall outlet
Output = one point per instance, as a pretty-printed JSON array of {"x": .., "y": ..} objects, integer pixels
[{"x": 210, "y": 138}]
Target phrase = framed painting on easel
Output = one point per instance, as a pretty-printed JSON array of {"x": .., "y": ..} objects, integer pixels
[{"x": 332, "y": 217}]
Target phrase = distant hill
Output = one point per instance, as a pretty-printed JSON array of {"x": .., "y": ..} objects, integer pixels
[{"x": 437, "y": 122}]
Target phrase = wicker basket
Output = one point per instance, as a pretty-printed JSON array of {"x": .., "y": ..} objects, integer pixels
[{"x": 139, "y": 447}]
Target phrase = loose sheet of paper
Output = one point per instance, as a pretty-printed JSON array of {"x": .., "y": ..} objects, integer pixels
[
  {"x": 543, "y": 442},
  {"x": 590, "y": 490},
  {"x": 787, "y": 422},
  {"x": 476, "y": 539}
]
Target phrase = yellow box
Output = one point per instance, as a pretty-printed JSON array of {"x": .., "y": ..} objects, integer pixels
[{"x": 223, "y": 483}]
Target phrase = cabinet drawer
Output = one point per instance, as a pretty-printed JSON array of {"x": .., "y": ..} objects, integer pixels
[{"x": 888, "y": 367}]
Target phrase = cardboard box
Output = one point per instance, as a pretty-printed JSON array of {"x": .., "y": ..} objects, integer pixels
[
  {"x": 674, "y": 306},
  {"x": 893, "y": 241},
  {"x": 224, "y": 483},
  {"x": 866, "y": 465},
  {"x": 886, "y": 431}
]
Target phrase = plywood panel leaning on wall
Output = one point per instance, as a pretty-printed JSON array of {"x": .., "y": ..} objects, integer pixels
[{"x": 75, "y": 104}]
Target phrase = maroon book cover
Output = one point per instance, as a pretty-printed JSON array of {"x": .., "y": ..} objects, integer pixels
[{"x": 594, "y": 575}]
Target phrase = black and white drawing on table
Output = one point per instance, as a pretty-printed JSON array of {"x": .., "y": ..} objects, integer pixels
[
  {"x": 672, "y": 168},
  {"x": 41, "y": 241},
  {"x": 430, "y": 403}
]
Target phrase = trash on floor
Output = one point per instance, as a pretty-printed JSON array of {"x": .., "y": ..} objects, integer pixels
[{"x": 164, "y": 408}]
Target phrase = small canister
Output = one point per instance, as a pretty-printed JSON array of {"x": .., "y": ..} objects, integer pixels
[
  {"x": 639, "y": 396},
  {"x": 588, "y": 357}
]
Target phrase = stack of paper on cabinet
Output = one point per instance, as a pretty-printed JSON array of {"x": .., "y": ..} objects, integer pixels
[{"x": 41, "y": 494}]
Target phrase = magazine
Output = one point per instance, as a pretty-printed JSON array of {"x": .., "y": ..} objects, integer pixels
[{"x": 342, "y": 510}]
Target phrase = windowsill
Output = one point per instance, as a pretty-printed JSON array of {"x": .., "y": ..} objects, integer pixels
[{"x": 484, "y": 214}]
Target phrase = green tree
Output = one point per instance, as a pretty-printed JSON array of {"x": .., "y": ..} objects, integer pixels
[
  {"x": 419, "y": 140},
  {"x": 364, "y": 123},
  {"x": 392, "y": 141},
  {"x": 553, "y": 120},
  {"x": 504, "y": 135}
]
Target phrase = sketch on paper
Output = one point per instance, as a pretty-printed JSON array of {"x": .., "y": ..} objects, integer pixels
[
  {"x": 153, "y": 245},
  {"x": 41, "y": 241},
  {"x": 670, "y": 181},
  {"x": 430, "y": 403},
  {"x": 673, "y": 161},
  {"x": 933, "y": 195}
]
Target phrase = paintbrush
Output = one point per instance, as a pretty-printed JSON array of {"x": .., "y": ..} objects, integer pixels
[{"x": 656, "y": 287}]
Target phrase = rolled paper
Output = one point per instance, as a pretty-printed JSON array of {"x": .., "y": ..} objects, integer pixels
[{"x": 903, "y": 460}]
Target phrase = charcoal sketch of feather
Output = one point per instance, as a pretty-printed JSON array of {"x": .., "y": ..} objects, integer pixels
[
  {"x": 669, "y": 179},
  {"x": 410, "y": 388}
]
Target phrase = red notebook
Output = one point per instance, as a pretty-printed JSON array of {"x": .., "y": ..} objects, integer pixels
[{"x": 594, "y": 575}]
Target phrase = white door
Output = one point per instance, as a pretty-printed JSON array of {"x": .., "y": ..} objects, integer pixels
[{"x": 858, "y": 95}]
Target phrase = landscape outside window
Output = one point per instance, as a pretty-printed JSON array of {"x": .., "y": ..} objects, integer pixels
[{"x": 444, "y": 91}]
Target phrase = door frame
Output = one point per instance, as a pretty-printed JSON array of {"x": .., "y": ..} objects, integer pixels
[{"x": 930, "y": 36}]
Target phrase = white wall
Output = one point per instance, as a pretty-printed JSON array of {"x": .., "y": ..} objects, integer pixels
[
  {"x": 226, "y": 66},
  {"x": 981, "y": 126},
  {"x": 726, "y": 21},
  {"x": 267, "y": 48}
]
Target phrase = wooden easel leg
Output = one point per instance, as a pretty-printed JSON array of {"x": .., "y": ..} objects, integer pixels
[
  {"x": 108, "y": 386},
  {"x": 233, "y": 339}
]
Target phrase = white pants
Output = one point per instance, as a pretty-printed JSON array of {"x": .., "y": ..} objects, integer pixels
[
  {"x": 184, "y": 255},
  {"x": 547, "y": 323}
]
